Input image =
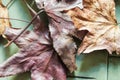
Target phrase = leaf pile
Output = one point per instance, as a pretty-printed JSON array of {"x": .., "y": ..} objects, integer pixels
[
  {"x": 39, "y": 51},
  {"x": 48, "y": 50}
]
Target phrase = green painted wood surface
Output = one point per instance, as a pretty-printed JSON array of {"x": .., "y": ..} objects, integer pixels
[
  {"x": 97, "y": 64},
  {"x": 92, "y": 65}
]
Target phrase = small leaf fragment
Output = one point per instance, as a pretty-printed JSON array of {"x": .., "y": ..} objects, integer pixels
[{"x": 3, "y": 14}]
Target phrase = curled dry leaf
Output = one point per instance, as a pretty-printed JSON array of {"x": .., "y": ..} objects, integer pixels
[
  {"x": 3, "y": 14},
  {"x": 61, "y": 28},
  {"x": 36, "y": 55},
  {"x": 98, "y": 17}
]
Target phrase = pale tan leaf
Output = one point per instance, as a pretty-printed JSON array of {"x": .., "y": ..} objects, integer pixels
[
  {"x": 3, "y": 14},
  {"x": 98, "y": 17}
]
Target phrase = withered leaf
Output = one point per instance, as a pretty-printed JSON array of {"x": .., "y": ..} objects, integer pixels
[
  {"x": 36, "y": 55},
  {"x": 98, "y": 17},
  {"x": 62, "y": 28},
  {"x": 59, "y": 5},
  {"x": 3, "y": 14}
]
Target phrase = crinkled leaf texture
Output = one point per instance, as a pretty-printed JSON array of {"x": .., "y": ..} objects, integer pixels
[
  {"x": 62, "y": 28},
  {"x": 98, "y": 17},
  {"x": 3, "y": 14},
  {"x": 59, "y": 5},
  {"x": 36, "y": 55}
]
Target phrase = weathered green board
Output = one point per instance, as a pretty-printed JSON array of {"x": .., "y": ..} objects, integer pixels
[{"x": 97, "y": 64}]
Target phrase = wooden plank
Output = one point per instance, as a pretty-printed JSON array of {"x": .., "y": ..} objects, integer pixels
[
  {"x": 89, "y": 65},
  {"x": 114, "y": 68},
  {"x": 92, "y": 65},
  {"x": 19, "y": 10},
  {"x": 118, "y": 11}
]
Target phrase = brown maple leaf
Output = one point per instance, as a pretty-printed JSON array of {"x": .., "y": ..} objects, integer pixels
[
  {"x": 98, "y": 18},
  {"x": 36, "y": 55},
  {"x": 3, "y": 14},
  {"x": 61, "y": 28}
]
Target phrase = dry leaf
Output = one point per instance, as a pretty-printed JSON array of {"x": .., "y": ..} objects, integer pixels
[
  {"x": 59, "y": 5},
  {"x": 3, "y": 14},
  {"x": 36, "y": 55},
  {"x": 61, "y": 28},
  {"x": 98, "y": 17}
]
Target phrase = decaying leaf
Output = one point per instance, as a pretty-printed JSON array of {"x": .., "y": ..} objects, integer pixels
[
  {"x": 59, "y": 5},
  {"x": 62, "y": 28},
  {"x": 98, "y": 17},
  {"x": 3, "y": 14},
  {"x": 36, "y": 55}
]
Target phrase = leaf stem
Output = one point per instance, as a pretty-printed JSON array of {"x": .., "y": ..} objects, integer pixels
[
  {"x": 9, "y": 3},
  {"x": 15, "y": 19},
  {"x": 24, "y": 28}
]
